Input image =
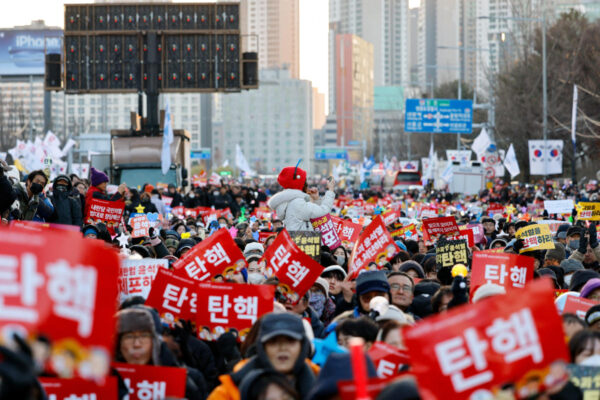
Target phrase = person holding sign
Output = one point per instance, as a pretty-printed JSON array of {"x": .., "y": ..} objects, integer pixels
[
  {"x": 98, "y": 189},
  {"x": 297, "y": 204}
]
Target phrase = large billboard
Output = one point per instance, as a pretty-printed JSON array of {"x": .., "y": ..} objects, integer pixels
[{"x": 22, "y": 50}]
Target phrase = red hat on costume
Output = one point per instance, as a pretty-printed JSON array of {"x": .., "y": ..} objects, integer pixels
[{"x": 292, "y": 177}]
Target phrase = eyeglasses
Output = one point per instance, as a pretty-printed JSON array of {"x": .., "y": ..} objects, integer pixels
[
  {"x": 397, "y": 286},
  {"x": 131, "y": 337}
]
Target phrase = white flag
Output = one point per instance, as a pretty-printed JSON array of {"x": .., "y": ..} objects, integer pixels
[
  {"x": 70, "y": 143},
  {"x": 482, "y": 142},
  {"x": 545, "y": 159},
  {"x": 511, "y": 163},
  {"x": 165, "y": 157},
  {"x": 448, "y": 173},
  {"x": 241, "y": 162},
  {"x": 574, "y": 115},
  {"x": 225, "y": 164}
]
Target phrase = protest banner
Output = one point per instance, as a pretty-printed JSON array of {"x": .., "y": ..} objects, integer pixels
[
  {"x": 136, "y": 276},
  {"x": 387, "y": 359},
  {"x": 262, "y": 213},
  {"x": 263, "y": 236},
  {"x": 223, "y": 307},
  {"x": 478, "y": 232},
  {"x": 480, "y": 347},
  {"x": 535, "y": 237},
  {"x": 504, "y": 269},
  {"x": 389, "y": 217},
  {"x": 448, "y": 253},
  {"x": 374, "y": 248},
  {"x": 173, "y": 296},
  {"x": 433, "y": 228},
  {"x": 105, "y": 211},
  {"x": 495, "y": 208},
  {"x": 295, "y": 270},
  {"x": 59, "y": 288},
  {"x": 41, "y": 226},
  {"x": 408, "y": 232},
  {"x": 309, "y": 242},
  {"x": 140, "y": 226},
  {"x": 578, "y": 306},
  {"x": 72, "y": 389},
  {"x": 178, "y": 211},
  {"x": 145, "y": 382},
  {"x": 465, "y": 234},
  {"x": 559, "y": 206},
  {"x": 586, "y": 378},
  {"x": 216, "y": 255},
  {"x": 429, "y": 212},
  {"x": 329, "y": 235},
  {"x": 348, "y": 231},
  {"x": 588, "y": 211},
  {"x": 552, "y": 224}
]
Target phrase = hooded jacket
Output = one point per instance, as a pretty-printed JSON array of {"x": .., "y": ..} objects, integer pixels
[
  {"x": 296, "y": 210},
  {"x": 67, "y": 209},
  {"x": 304, "y": 374}
]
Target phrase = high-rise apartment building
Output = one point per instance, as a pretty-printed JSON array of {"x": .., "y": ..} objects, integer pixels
[
  {"x": 355, "y": 89},
  {"x": 272, "y": 28},
  {"x": 273, "y": 124},
  {"x": 384, "y": 24}
]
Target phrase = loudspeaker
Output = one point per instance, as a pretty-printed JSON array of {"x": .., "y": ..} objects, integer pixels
[{"x": 53, "y": 75}]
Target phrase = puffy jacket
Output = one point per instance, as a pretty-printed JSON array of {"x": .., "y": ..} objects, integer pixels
[
  {"x": 67, "y": 209},
  {"x": 38, "y": 208},
  {"x": 296, "y": 210}
]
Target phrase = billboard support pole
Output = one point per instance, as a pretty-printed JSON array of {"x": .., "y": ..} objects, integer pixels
[{"x": 31, "y": 107}]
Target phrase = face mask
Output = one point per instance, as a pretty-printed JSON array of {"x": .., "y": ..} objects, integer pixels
[
  {"x": 61, "y": 188},
  {"x": 591, "y": 361},
  {"x": 340, "y": 260},
  {"x": 191, "y": 195},
  {"x": 574, "y": 244},
  {"x": 568, "y": 279},
  {"x": 255, "y": 278},
  {"x": 36, "y": 188},
  {"x": 317, "y": 302},
  {"x": 223, "y": 225}
]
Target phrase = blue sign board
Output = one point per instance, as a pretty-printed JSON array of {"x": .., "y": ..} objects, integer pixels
[
  {"x": 438, "y": 116},
  {"x": 202, "y": 154},
  {"x": 333, "y": 153},
  {"x": 22, "y": 50}
]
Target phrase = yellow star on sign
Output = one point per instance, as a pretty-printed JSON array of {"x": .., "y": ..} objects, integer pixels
[
  {"x": 140, "y": 209},
  {"x": 510, "y": 210},
  {"x": 578, "y": 207}
]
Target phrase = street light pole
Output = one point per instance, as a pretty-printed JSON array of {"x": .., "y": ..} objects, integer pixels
[{"x": 545, "y": 92}]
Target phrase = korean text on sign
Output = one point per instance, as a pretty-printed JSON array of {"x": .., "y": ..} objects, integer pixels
[
  {"x": 588, "y": 211},
  {"x": 136, "y": 276},
  {"x": 308, "y": 242},
  {"x": 216, "y": 255},
  {"x": 231, "y": 305},
  {"x": 375, "y": 246},
  {"x": 535, "y": 237},
  {"x": 507, "y": 270},
  {"x": 329, "y": 235},
  {"x": 173, "y": 296},
  {"x": 144, "y": 382},
  {"x": 451, "y": 252},
  {"x": 482, "y": 346}
]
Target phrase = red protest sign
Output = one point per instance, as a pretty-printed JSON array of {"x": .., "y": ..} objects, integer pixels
[
  {"x": 329, "y": 236},
  {"x": 262, "y": 213},
  {"x": 390, "y": 217},
  {"x": 495, "y": 208},
  {"x": 140, "y": 226},
  {"x": 136, "y": 276},
  {"x": 263, "y": 236},
  {"x": 375, "y": 245},
  {"x": 433, "y": 228},
  {"x": 504, "y": 269},
  {"x": 179, "y": 211},
  {"x": 62, "y": 289},
  {"x": 40, "y": 226},
  {"x": 408, "y": 232},
  {"x": 578, "y": 306},
  {"x": 173, "y": 296},
  {"x": 226, "y": 306},
  {"x": 478, "y": 232},
  {"x": 69, "y": 389},
  {"x": 387, "y": 359},
  {"x": 216, "y": 255},
  {"x": 479, "y": 347},
  {"x": 464, "y": 234},
  {"x": 105, "y": 211},
  {"x": 295, "y": 270},
  {"x": 348, "y": 231},
  {"x": 145, "y": 382}
]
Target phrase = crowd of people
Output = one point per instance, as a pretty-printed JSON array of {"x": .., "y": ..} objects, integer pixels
[{"x": 274, "y": 360}]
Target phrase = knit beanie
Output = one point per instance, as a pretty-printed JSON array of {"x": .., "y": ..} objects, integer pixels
[
  {"x": 97, "y": 177},
  {"x": 372, "y": 281},
  {"x": 570, "y": 265},
  {"x": 292, "y": 178},
  {"x": 589, "y": 287}
]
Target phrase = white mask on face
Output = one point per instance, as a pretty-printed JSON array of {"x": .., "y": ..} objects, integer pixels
[
  {"x": 592, "y": 361},
  {"x": 568, "y": 279}
]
